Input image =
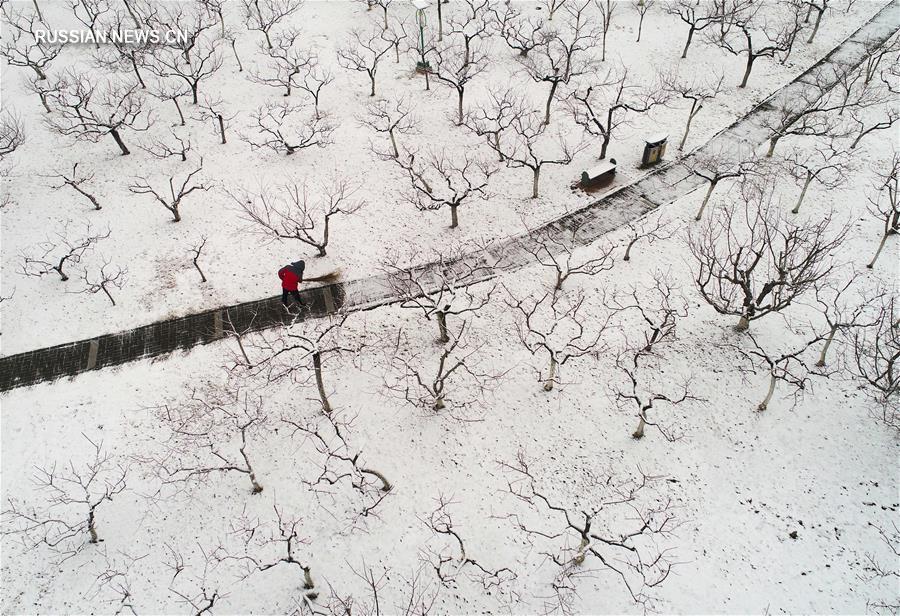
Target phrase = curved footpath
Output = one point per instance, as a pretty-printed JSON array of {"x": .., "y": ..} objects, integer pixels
[{"x": 662, "y": 186}]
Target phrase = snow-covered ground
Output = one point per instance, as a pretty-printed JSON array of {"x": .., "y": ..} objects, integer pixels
[
  {"x": 161, "y": 281},
  {"x": 774, "y": 511}
]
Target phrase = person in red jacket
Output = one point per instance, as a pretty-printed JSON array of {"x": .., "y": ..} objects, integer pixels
[{"x": 291, "y": 276}]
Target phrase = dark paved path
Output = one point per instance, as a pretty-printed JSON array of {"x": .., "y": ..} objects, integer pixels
[{"x": 664, "y": 185}]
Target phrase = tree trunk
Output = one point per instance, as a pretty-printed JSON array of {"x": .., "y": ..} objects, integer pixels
[
  {"x": 828, "y": 340},
  {"x": 92, "y": 529},
  {"x": 639, "y": 433},
  {"x": 40, "y": 74},
  {"x": 816, "y": 26},
  {"x": 549, "y": 101},
  {"x": 394, "y": 143},
  {"x": 750, "y": 60},
  {"x": 459, "y": 121},
  {"x": 688, "y": 43},
  {"x": 773, "y": 141},
  {"x": 221, "y": 126},
  {"x": 551, "y": 377},
  {"x": 440, "y": 21},
  {"x": 743, "y": 323},
  {"x": 236, "y": 57},
  {"x": 878, "y": 252},
  {"x": 268, "y": 40},
  {"x": 765, "y": 403},
  {"x": 106, "y": 291},
  {"x": 317, "y": 366},
  {"x": 806, "y": 184},
  {"x": 454, "y": 220},
  {"x": 119, "y": 142},
  {"x": 194, "y": 87},
  {"x": 687, "y": 127},
  {"x": 442, "y": 327},
  {"x": 497, "y": 146},
  {"x": 640, "y": 25},
  {"x": 372, "y": 79},
  {"x": 712, "y": 187},
  {"x": 137, "y": 72},
  {"x": 537, "y": 176},
  {"x": 178, "y": 107}
]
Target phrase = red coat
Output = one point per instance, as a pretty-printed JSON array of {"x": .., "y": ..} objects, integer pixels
[{"x": 289, "y": 279}]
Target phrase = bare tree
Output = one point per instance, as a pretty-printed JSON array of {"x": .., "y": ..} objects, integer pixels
[
  {"x": 825, "y": 164},
  {"x": 455, "y": 380},
  {"x": 103, "y": 278},
  {"x": 659, "y": 307},
  {"x": 742, "y": 32},
  {"x": 552, "y": 6},
  {"x": 527, "y": 143},
  {"x": 842, "y": 314},
  {"x": 12, "y": 133},
  {"x": 876, "y": 357},
  {"x": 697, "y": 16},
  {"x": 75, "y": 180},
  {"x": 363, "y": 52},
  {"x": 90, "y": 110},
  {"x": 521, "y": 33},
  {"x": 44, "y": 88},
  {"x": 634, "y": 506},
  {"x": 263, "y": 15},
  {"x": 392, "y": 117},
  {"x": 21, "y": 45},
  {"x": 886, "y": 210},
  {"x": 809, "y": 114},
  {"x": 210, "y": 432},
  {"x": 715, "y": 164},
  {"x": 340, "y": 461},
  {"x": 492, "y": 119},
  {"x": 196, "y": 251},
  {"x": 279, "y": 542},
  {"x": 554, "y": 325},
  {"x": 178, "y": 147},
  {"x": 171, "y": 90},
  {"x": 876, "y": 51},
  {"x": 787, "y": 366},
  {"x": 192, "y": 62},
  {"x": 648, "y": 229},
  {"x": 555, "y": 250},
  {"x": 213, "y": 109},
  {"x": 299, "y": 352},
  {"x": 876, "y": 570},
  {"x": 56, "y": 253},
  {"x": 451, "y": 561},
  {"x": 859, "y": 116},
  {"x": 290, "y": 212},
  {"x": 289, "y": 63},
  {"x": 89, "y": 12},
  {"x": 440, "y": 182},
  {"x": 641, "y": 7},
  {"x": 563, "y": 55},
  {"x": 697, "y": 90},
  {"x": 606, "y": 9},
  {"x": 455, "y": 68},
  {"x": 122, "y": 52},
  {"x": 176, "y": 194},
  {"x": 284, "y": 128},
  {"x": 75, "y": 497},
  {"x": 441, "y": 290},
  {"x": 819, "y": 6},
  {"x": 750, "y": 262},
  {"x": 601, "y": 108}
]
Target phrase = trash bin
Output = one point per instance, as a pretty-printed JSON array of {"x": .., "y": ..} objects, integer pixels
[{"x": 654, "y": 149}]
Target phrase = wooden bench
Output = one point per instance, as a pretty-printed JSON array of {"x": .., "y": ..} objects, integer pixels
[{"x": 601, "y": 174}]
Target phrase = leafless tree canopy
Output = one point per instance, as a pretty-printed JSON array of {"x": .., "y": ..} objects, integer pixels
[
  {"x": 751, "y": 262},
  {"x": 299, "y": 211}
]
